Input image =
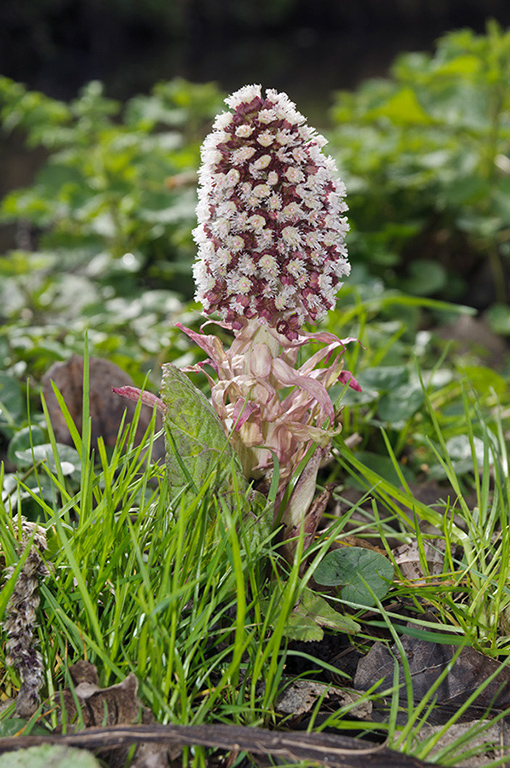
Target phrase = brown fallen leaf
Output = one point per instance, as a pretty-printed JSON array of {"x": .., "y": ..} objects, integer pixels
[
  {"x": 100, "y": 706},
  {"x": 427, "y": 660},
  {"x": 114, "y": 705},
  {"x": 302, "y": 695},
  {"x": 314, "y": 515},
  {"x": 492, "y": 740},
  {"x": 354, "y": 541},
  {"x": 106, "y": 408},
  {"x": 407, "y": 557}
]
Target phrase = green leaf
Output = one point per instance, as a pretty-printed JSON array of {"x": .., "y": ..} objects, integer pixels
[
  {"x": 466, "y": 64},
  {"x": 11, "y": 399},
  {"x": 353, "y": 568},
  {"x": 69, "y": 458},
  {"x": 499, "y": 319},
  {"x": 4, "y": 344},
  {"x": 383, "y": 377},
  {"x": 425, "y": 277},
  {"x": 313, "y": 612},
  {"x": 501, "y": 197},
  {"x": 196, "y": 444},
  {"x": 483, "y": 379},
  {"x": 304, "y": 628},
  {"x": 404, "y": 108},
  {"x": 49, "y": 754},
  {"x": 10, "y": 726},
  {"x": 466, "y": 190},
  {"x": 460, "y": 453},
  {"x": 317, "y": 608},
  {"x": 383, "y": 466},
  {"x": 22, "y": 440},
  {"x": 401, "y": 403},
  {"x": 54, "y": 176}
]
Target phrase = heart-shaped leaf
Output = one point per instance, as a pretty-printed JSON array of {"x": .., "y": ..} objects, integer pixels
[
  {"x": 68, "y": 458},
  {"x": 353, "y": 568}
]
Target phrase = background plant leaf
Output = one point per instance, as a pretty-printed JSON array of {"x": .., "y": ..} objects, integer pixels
[
  {"x": 318, "y": 609},
  {"x": 44, "y": 755}
]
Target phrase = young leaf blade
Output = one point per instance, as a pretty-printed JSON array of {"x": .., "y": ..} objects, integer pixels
[{"x": 196, "y": 443}]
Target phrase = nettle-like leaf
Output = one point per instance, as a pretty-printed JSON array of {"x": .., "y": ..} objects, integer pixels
[
  {"x": 310, "y": 615},
  {"x": 196, "y": 444},
  {"x": 354, "y": 569},
  {"x": 314, "y": 611}
]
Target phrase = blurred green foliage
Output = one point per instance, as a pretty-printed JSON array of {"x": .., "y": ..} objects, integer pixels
[
  {"x": 106, "y": 226},
  {"x": 425, "y": 157},
  {"x": 117, "y": 179}
]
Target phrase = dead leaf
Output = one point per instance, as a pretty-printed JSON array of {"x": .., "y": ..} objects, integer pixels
[
  {"x": 301, "y": 696},
  {"x": 407, "y": 557},
  {"x": 101, "y": 706},
  {"x": 114, "y": 705},
  {"x": 313, "y": 517},
  {"x": 427, "y": 661},
  {"x": 354, "y": 541},
  {"x": 106, "y": 408},
  {"x": 497, "y": 734}
]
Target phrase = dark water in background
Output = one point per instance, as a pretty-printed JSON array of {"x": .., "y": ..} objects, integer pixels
[
  {"x": 304, "y": 63},
  {"x": 309, "y": 64},
  {"x": 305, "y": 47}
]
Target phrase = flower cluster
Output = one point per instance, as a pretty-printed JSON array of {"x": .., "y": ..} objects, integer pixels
[
  {"x": 271, "y": 225},
  {"x": 271, "y": 257},
  {"x": 20, "y": 619}
]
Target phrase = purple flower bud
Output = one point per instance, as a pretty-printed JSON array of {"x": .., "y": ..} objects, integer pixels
[
  {"x": 270, "y": 212},
  {"x": 133, "y": 393}
]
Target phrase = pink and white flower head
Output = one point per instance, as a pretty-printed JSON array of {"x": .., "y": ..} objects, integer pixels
[{"x": 271, "y": 224}]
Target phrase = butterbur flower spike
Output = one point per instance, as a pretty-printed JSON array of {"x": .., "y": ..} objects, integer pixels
[
  {"x": 271, "y": 257},
  {"x": 271, "y": 224}
]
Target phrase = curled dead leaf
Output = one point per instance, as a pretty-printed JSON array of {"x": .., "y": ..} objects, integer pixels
[
  {"x": 115, "y": 705},
  {"x": 106, "y": 408}
]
